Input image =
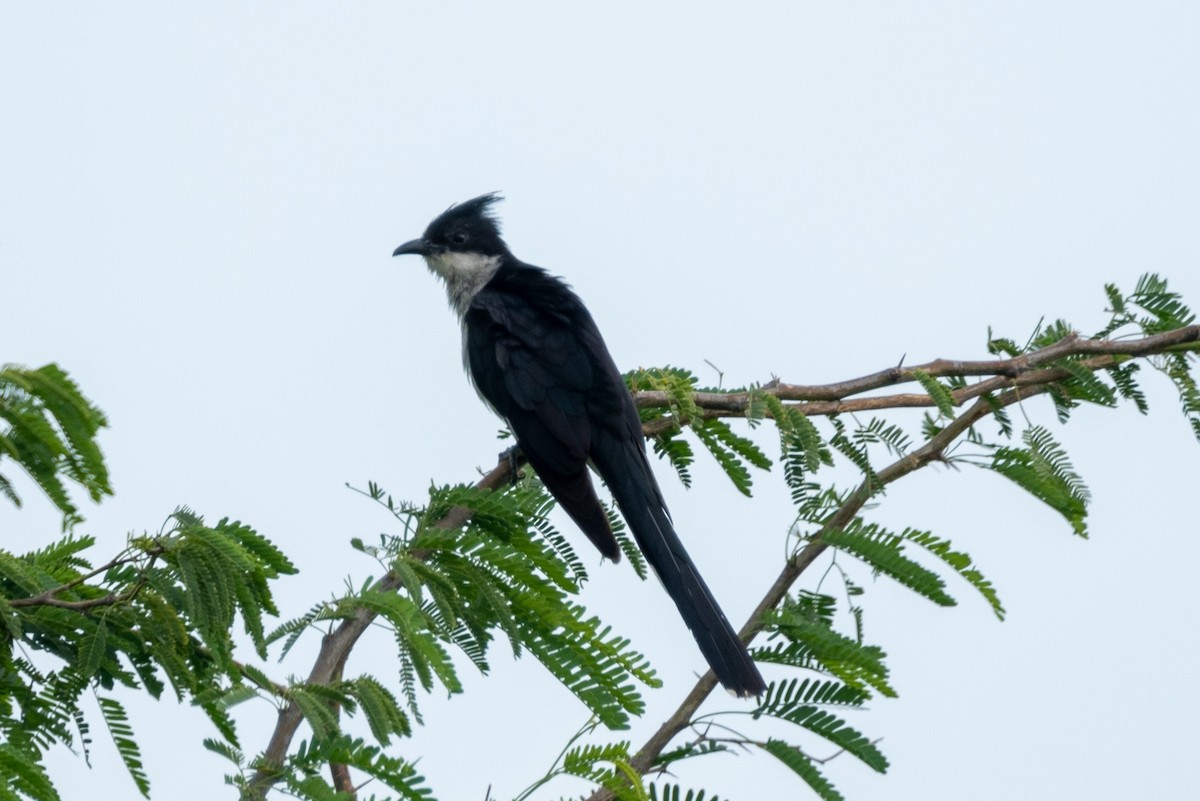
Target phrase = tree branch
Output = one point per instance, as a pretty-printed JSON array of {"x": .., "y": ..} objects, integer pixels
[
  {"x": 48, "y": 597},
  {"x": 336, "y": 647},
  {"x": 1020, "y": 371}
]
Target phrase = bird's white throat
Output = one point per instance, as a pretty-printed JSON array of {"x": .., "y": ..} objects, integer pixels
[{"x": 464, "y": 273}]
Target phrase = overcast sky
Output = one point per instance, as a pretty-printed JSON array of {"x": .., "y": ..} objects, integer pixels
[{"x": 197, "y": 211}]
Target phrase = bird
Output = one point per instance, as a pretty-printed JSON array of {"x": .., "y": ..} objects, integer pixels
[{"x": 536, "y": 357}]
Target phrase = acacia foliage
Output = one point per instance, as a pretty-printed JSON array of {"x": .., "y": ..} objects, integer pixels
[
  {"x": 50, "y": 432},
  {"x": 159, "y": 615},
  {"x": 472, "y": 566}
]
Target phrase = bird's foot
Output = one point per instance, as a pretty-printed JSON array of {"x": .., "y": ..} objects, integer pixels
[{"x": 514, "y": 458}]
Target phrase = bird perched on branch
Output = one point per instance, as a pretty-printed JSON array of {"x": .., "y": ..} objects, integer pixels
[{"x": 537, "y": 359}]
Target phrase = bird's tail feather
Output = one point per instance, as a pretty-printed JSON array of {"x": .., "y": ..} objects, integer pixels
[{"x": 641, "y": 503}]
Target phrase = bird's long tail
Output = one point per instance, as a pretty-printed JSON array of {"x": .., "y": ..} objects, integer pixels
[{"x": 627, "y": 471}]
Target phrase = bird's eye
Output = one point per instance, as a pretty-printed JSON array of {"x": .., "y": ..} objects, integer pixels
[{"x": 459, "y": 237}]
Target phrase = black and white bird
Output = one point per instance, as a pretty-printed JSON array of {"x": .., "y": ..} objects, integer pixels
[{"x": 537, "y": 359}]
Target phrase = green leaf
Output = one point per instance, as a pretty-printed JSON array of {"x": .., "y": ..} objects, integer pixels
[
  {"x": 1001, "y": 345},
  {"x": 397, "y": 774},
  {"x": 731, "y": 451},
  {"x": 291, "y": 630},
  {"x": 415, "y": 636},
  {"x": 381, "y": 709},
  {"x": 1044, "y": 470},
  {"x": 877, "y": 431},
  {"x": 10, "y": 621},
  {"x": 316, "y": 710},
  {"x": 20, "y": 772},
  {"x": 799, "y": 702},
  {"x": 885, "y": 552},
  {"x": 832, "y": 728},
  {"x": 224, "y": 749},
  {"x": 19, "y": 572},
  {"x": 92, "y": 649},
  {"x": 781, "y": 697},
  {"x": 1084, "y": 385},
  {"x": 633, "y": 554},
  {"x": 51, "y": 434},
  {"x": 1127, "y": 386},
  {"x": 676, "y": 450},
  {"x": 857, "y": 453},
  {"x": 595, "y": 666},
  {"x": 586, "y": 762},
  {"x": 1167, "y": 311},
  {"x": 1178, "y": 368},
  {"x": 671, "y": 792},
  {"x": 960, "y": 562},
  {"x": 813, "y": 644},
  {"x": 122, "y": 736},
  {"x": 938, "y": 393},
  {"x": 803, "y": 767},
  {"x": 222, "y": 720}
]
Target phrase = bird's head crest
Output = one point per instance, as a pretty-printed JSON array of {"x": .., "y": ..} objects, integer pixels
[{"x": 469, "y": 226}]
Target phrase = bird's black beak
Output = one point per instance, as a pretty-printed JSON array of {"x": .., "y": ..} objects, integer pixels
[{"x": 418, "y": 247}]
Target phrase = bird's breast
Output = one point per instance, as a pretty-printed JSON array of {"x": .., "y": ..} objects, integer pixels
[{"x": 466, "y": 359}]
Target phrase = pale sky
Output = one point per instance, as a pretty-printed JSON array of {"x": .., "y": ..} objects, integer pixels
[{"x": 197, "y": 211}]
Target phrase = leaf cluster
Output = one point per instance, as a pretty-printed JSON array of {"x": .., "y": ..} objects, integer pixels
[
  {"x": 49, "y": 429},
  {"x": 160, "y": 614},
  {"x": 501, "y": 571},
  {"x": 734, "y": 453}
]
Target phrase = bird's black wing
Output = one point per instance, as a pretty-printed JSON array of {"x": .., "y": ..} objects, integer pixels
[
  {"x": 537, "y": 356},
  {"x": 527, "y": 361}
]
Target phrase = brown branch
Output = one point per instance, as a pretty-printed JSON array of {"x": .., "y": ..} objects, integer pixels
[
  {"x": 1031, "y": 378},
  {"x": 825, "y": 399},
  {"x": 338, "y": 772},
  {"x": 112, "y": 599},
  {"x": 47, "y": 597}
]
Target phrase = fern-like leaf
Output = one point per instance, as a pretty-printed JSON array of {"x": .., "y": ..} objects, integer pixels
[
  {"x": 381, "y": 709},
  {"x": 397, "y": 774},
  {"x": 671, "y": 792},
  {"x": 21, "y": 772},
  {"x": 731, "y": 451},
  {"x": 884, "y": 551},
  {"x": 803, "y": 767},
  {"x": 782, "y": 697},
  {"x": 857, "y": 453},
  {"x": 938, "y": 393},
  {"x": 633, "y": 554},
  {"x": 677, "y": 451},
  {"x": 960, "y": 562},
  {"x": 1043, "y": 470},
  {"x": 813, "y": 644},
  {"x": 92, "y": 649},
  {"x": 122, "y": 736},
  {"x": 1126, "y": 384},
  {"x": 316, "y": 710}
]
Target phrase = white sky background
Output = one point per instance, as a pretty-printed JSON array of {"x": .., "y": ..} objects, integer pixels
[{"x": 197, "y": 212}]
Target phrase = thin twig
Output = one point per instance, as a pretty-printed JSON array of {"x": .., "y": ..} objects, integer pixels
[{"x": 47, "y": 597}]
